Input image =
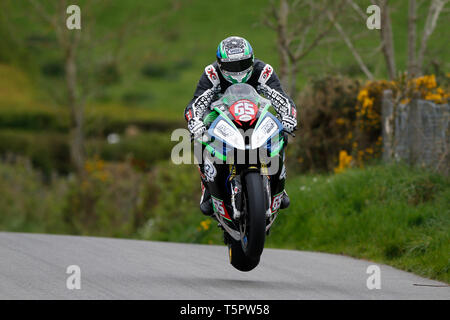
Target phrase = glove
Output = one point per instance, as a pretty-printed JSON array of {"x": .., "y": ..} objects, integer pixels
[
  {"x": 289, "y": 123},
  {"x": 196, "y": 127},
  {"x": 216, "y": 89},
  {"x": 203, "y": 102},
  {"x": 281, "y": 105},
  {"x": 264, "y": 90},
  {"x": 279, "y": 101}
]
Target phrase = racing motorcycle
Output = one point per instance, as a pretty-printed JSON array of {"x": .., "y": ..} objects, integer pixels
[{"x": 242, "y": 158}]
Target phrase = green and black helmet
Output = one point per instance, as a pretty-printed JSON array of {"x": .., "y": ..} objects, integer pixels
[{"x": 235, "y": 59}]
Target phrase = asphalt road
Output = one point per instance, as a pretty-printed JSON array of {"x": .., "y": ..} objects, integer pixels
[{"x": 33, "y": 266}]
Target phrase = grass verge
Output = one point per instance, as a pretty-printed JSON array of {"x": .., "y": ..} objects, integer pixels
[{"x": 388, "y": 214}]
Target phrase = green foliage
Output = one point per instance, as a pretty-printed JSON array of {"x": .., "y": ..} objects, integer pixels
[
  {"x": 144, "y": 150},
  {"x": 50, "y": 152},
  {"x": 111, "y": 200},
  {"x": 47, "y": 151},
  {"x": 29, "y": 205},
  {"x": 176, "y": 216},
  {"x": 102, "y": 119},
  {"x": 326, "y": 113}
]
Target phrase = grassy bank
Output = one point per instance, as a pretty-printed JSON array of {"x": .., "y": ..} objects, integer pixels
[{"x": 388, "y": 214}]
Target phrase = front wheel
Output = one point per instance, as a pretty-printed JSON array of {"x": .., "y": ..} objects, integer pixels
[
  {"x": 238, "y": 259},
  {"x": 253, "y": 223}
]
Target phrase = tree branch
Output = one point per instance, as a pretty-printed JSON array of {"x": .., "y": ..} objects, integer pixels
[{"x": 433, "y": 14}]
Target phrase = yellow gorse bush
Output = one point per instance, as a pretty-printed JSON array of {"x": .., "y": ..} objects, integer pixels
[
  {"x": 345, "y": 161},
  {"x": 365, "y": 136},
  {"x": 426, "y": 88}
]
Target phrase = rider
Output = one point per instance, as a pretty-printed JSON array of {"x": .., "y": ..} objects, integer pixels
[{"x": 236, "y": 64}]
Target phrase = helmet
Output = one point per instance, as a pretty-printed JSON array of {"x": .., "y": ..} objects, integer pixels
[{"x": 235, "y": 59}]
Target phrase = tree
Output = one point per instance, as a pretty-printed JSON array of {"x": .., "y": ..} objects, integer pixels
[
  {"x": 83, "y": 81},
  {"x": 68, "y": 42},
  {"x": 415, "y": 59},
  {"x": 300, "y": 26},
  {"x": 434, "y": 11},
  {"x": 350, "y": 45}
]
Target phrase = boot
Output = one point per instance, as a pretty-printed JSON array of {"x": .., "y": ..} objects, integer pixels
[
  {"x": 206, "y": 206},
  {"x": 285, "y": 202}
]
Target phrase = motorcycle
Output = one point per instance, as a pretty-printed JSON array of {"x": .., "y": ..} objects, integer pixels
[{"x": 242, "y": 153}]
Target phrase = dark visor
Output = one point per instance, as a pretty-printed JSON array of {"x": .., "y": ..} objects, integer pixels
[{"x": 236, "y": 66}]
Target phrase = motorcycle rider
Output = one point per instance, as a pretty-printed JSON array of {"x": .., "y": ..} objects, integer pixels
[{"x": 236, "y": 64}]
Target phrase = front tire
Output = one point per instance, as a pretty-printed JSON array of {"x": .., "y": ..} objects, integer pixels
[
  {"x": 238, "y": 259},
  {"x": 255, "y": 217}
]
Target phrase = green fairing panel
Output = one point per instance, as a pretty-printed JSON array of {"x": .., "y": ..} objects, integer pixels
[{"x": 210, "y": 118}]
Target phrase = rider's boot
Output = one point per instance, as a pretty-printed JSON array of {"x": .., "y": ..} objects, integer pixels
[
  {"x": 206, "y": 206},
  {"x": 285, "y": 202}
]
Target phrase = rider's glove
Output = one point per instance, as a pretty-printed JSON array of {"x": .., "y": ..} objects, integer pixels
[
  {"x": 216, "y": 89},
  {"x": 196, "y": 127},
  {"x": 282, "y": 105},
  {"x": 203, "y": 102},
  {"x": 289, "y": 123}
]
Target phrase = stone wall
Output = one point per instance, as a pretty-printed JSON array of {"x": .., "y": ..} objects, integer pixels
[{"x": 417, "y": 133}]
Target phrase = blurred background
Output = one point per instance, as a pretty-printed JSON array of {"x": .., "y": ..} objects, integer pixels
[{"x": 86, "y": 117}]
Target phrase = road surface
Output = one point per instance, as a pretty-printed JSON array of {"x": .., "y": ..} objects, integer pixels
[{"x": 33, "y": 266}]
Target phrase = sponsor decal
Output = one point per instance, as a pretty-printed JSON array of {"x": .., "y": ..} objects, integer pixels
[
  {"x": 235, "y": 51},
  {"x": 266, "y": 73},
  {"x": 210, "y": 170},
  {"x": 219, "y": 207},
  {"x": 276, "y": 202},
  {"x": 188, "y": 115},
  {"x": 212, "y": 75}
]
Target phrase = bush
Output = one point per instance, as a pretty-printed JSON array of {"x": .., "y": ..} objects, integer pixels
[
  {"x": 47, "y": 151},
  {"x": 36, "y": 120},
  {"x": 142, "y": 149},
  {"x": 111, "y": 200},
  {"x": 326, "y": 113},
  {"x": 102, "y": 119},
  {"x": 176, "y": 215},
  {"x": 341, "y": 119},
  {"x": 26, "y": 203}
]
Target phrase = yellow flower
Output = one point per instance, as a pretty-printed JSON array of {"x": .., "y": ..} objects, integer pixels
[
  {"x": 368, "y": 102},
  {"x": 405, "y": 101},
  {"x": 344, "y": 161},
  {"x": 364, "y": 93},
  {"x": 340, "y": 121},
  {"x": 205, "y": 224},
  {"x": 349, "y": 136}
]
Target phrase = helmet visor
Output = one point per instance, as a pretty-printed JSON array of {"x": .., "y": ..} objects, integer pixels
[{"x": 236, "y": 66}]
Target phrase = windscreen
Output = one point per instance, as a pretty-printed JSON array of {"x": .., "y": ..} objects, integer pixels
[{"x": 242, "y": 91}]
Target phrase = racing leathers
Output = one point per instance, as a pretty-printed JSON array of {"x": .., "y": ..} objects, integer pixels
[{"x": 266, "y": 83}]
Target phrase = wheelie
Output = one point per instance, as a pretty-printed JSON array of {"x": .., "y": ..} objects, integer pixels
[{"x": 243, "y": 134}]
